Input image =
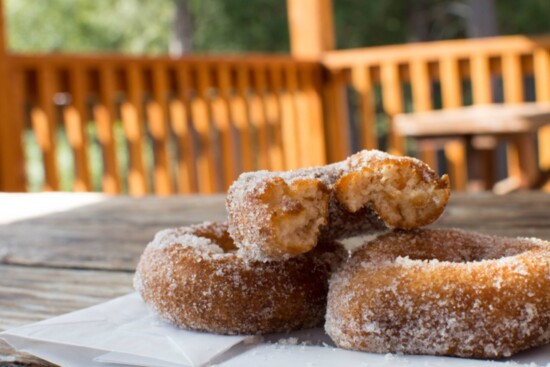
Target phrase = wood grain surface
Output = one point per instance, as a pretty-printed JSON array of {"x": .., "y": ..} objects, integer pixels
[
  {"x": 108, "y": 235},
  {"x": 57, "y": 263}
]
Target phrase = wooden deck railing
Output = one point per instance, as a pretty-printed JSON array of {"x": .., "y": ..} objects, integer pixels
[
  {"x": 204, "y": 119},
  {"x": 192, "y": 124},
  {"x": 433, "y": 75}
]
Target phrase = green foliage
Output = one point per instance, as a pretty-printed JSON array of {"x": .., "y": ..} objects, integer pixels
[
  {"x": 523, "y": 17},
  {"x": 240, "y": 25},
  {"x": 141, "y": 26},
  {"x": 359, "y": 23},
  {"x": 132, "y": 26}
]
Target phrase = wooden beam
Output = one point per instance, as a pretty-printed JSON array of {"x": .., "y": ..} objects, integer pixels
[
  {"x": 12, "y": 175},
  {"x": 311, "y": 27}
]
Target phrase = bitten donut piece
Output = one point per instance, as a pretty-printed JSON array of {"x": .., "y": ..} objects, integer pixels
[
  {"x": 405, "y": 192},
  {"x": 195, "y": 278},
  {"x": 274, "y": 219},
  {"x": 442, "y": 292},
  {"x": 276, "y": 215}
]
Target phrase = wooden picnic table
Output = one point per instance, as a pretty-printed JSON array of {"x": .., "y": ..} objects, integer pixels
[
  {"x": 59, "y": 262},
  {"x": 480, "y": 128}
]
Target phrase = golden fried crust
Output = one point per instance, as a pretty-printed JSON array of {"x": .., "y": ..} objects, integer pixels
[
  {"x": 276, "y": 215},
  {"x": 442, "y": 292},
  {"x": 273, "y": 219},
  {"x": 405, "y": 192},
  {"x": 191, "y": 281}
]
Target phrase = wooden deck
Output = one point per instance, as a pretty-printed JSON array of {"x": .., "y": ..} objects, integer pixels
[
  {"x": 192, "y": 124},
  {"x": 61, "y": 262}
]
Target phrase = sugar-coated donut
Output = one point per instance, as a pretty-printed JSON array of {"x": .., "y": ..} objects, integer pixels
[
  {"x": 442, "y": 292},
  {"x": 276, "y": 218},
  {"x": 275, "y": 215},
  {"x": 405, "y": 192},
  {"x": 194, "y": 277}
]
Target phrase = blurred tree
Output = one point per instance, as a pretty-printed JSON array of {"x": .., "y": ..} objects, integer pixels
[
  {"x": 359, "y": 23},
  {"x": 482, "y": 20},
  {"x": 133, "y": 26},
  {"x": 431, "y": 20},
  {"x": 141, "y": 26},
  {"x": 240, "y": 25},
  {"x": 182, "y": 29},
  {"x": 527, "y": 17}
]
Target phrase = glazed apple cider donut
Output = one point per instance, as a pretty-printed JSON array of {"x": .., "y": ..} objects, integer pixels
[
  {"x": 195, "y": 277},
  {"x": 442, "y": 292},
  {"x": 276, "y": 215}
]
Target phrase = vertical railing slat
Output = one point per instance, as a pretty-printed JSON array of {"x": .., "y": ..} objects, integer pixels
[
  {"x": 19, "y": 94},
  {"x": 104, "y": 116},
  {"x": 451, "y": 91},
  {"x": 303, "y": 119},
  {"x": 258, "y": 115},
  {"x": 512, "y": 78},
  {"x": 239, "y": 111},
  {"x": 45, "y": 126},
  {"x": 542, "y": 85},
  {"x": 421, "y": 86},
  {"x": 481, "y": 79},
  {"x": 362, "y": 83},
  {"x": 12, "y": 166},
  {"x": 338, "y": 129},
  {"x": 312, "y": 134},
  {"x": 132, "y": 119},
  {"x": 451, "y": 85},
  {"x": 206, "y": 158},
  {"x": 180, "y": 112},
  {"x": 274, "y": 115},
  {"x": 290, "y": 116},
  {"x": 76, "y": 118},
  {"x": 392, "y": 99},
  {"x": 157, "y": 117},
  {"x": 222, "y": 118}
]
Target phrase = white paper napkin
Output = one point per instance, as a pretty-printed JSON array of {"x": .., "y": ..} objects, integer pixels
[
  {"x": 125, "y": 328},
  {"x": 124, "y": 332}
]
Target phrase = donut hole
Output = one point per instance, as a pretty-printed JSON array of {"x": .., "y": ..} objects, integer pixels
[
  {"x": 300, "y": 209},
  {"x": 404, "y": 195},
  {"x": 218, "y": 235}
]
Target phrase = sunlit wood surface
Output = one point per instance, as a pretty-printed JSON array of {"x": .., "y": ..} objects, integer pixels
[{"x": 61, "y": 262}]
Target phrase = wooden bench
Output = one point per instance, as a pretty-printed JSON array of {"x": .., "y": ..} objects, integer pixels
[{"x": 472, "y": 134}]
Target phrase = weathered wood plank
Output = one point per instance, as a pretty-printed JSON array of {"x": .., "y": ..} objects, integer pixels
[
  {"x": 110, "y": 235},
  {"x": 34, "y": 294},
  {"x": 106, "y": 235},
  {"x": 523, "y": 214}
]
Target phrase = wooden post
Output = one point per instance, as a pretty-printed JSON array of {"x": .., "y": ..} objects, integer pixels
[
  {"x": 311, "y": 34},
  {"x": 12, "y": 176},
  {"x": 311, "y": 27}
]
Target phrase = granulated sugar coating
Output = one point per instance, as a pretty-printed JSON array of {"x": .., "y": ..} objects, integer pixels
[
  {"x": 276, "y": 215},
  {"x": 442, "y": 292},
  {"x": 195, "y": 278}
]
